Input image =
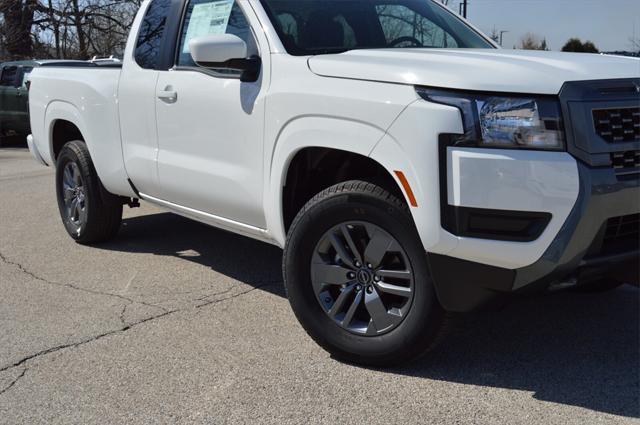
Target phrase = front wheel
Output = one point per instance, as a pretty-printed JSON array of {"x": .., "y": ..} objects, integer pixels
[
  {"x": 90, "y": 214},
  {"x": 357, "y": 277}
]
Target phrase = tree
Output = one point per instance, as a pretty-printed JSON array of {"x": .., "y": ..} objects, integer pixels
[
  {"x": 18, "y": 16},
  {"x": 635, "y": 43},
  {"x": 66, "y": 29},
  {"x": 543, "y": 45},
  {"x": 576, "y": 45},
  {"x": 532, "y": 41}
]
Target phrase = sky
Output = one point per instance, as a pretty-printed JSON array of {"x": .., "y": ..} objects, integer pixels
[{"x": 608, "y": 23}]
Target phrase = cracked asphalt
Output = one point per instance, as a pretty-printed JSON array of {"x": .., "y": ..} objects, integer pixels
[{"x": 175, "y": 322}]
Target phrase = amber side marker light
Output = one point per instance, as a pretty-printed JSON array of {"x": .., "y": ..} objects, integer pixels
[{"x": 407, "y": 188}]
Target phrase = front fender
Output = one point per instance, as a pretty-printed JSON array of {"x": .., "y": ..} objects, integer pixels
[{"x": 308, "y": 132}]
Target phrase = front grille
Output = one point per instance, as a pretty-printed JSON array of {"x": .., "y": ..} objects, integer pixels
[
  {"x": 626, "y": 161},
  {"x": 622, "y": 227},
  {"x": 617, "y": 125},
  {"x": 622, "y": 234}
]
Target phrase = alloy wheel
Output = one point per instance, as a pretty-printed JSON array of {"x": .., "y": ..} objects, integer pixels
[
  {"x": 362, "y": 278},
  {"x": 74, "y": 196}
]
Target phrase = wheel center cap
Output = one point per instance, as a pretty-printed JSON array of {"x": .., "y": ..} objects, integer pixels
[{"x": 363, "y": 276}]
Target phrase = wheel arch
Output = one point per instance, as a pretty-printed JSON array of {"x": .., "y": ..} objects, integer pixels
[
  {"x": 63, "y": 124},
  {"x": 321, "y": 141}
]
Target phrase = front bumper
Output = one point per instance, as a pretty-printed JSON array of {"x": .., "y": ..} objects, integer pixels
[
  {"x": 582, "y": 251},
  {"x": 600, "y": 237}
]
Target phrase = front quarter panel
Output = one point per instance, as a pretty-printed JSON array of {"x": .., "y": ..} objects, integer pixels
[{"x": 305, "y": 110}]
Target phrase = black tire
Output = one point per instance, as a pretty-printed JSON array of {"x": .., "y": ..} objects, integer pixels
[
  {"x": 424, "y": 324},
  {"x": 598, "y": 286},
  {"x": 102, "y": 213}
]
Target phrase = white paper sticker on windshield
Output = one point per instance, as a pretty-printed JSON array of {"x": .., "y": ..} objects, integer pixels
[{"x": 207, "y": 19}]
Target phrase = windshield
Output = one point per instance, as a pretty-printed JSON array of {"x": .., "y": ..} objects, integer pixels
[{"x": 311, "y": 27}]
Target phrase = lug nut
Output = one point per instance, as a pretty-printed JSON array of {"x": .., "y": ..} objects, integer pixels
[
  {"x": 369, "y": 289},
  {"x": 376, "y": 278},
  {"x": 369, "y": 266},
  {"x": 357, "y": 263},
  {"x": 351, "y": 275},
  {"x": 358, "y": 288}
]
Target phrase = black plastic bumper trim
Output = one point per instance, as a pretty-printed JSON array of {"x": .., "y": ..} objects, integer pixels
[{"x": 499, "y": 225}]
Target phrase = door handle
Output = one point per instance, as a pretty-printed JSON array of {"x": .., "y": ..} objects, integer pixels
[{"x": 168, "y": 95}]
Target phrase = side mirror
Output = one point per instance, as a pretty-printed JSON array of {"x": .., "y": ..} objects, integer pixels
[
  {"x": 217, "y": 49},
  {"x": 225, "y": 51}
]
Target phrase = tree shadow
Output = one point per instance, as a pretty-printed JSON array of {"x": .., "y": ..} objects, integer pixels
[{"x": 575, "y": 349}]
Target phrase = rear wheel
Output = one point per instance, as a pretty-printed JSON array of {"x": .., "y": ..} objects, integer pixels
[
  {"x": 90, "y": 214},
  {"x": 357, "y": 277}
]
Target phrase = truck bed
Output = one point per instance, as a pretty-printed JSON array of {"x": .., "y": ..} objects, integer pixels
[{"x": 85, "y": 94}]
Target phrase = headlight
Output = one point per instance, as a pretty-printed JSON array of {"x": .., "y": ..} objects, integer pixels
[{"x": 508, "y": 122}]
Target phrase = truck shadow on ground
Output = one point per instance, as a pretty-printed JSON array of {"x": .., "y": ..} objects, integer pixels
[{"x": 574, "y": 349}]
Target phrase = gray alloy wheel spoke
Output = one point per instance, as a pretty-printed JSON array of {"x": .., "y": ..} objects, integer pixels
[
  {"x": 388, "y": 288},
  {"x": 78, "y": 211},
  {"x": 361, "y": 288},
  {"x": 395, "y": 274},
  {"x": 348, "y": 316},
  {"x": 329, "y": 274},
  {"x": 342, "y": 299},
  {"x": 72, "y": 209},
  {"x": 338, "y": 245},
  {"x": 377, "y": 247},
  {"x": 346, "y": 234},
  {"x": 379, "y": 314},
  {"x": 68, "y": 194},
  {"x": 67, "y": 177},
  {"x": 83, "y": 212},
  {"x": 76, "y": 175}
]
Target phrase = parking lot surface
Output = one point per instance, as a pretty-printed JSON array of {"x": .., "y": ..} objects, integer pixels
[{"x": 176, "y": 322}]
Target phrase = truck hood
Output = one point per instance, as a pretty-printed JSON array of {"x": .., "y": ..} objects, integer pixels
[{"x": 495, "y": 70}]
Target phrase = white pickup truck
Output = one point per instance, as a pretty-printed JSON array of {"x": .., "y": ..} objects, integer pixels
[{"x": 409, "y": 167}]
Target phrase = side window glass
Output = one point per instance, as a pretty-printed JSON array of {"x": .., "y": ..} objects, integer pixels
[
  {"x": 207, "y": 17},
  {"x": 8, "y": 77},
  {"x": 25, "y": 75},
  {"x": 151, "y": 32},
  {"x": 399, "y": 22}
]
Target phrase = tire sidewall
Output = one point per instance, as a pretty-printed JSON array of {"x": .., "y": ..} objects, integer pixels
[{"x": 307, "y": 231}]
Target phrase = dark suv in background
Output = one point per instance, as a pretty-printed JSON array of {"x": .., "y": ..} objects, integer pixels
[
  {"x": 14, "y": 100},
  {"x": 14, "y": 103}
]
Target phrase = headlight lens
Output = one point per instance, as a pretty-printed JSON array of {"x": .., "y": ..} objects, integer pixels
[{"x": 507, "y": 122}]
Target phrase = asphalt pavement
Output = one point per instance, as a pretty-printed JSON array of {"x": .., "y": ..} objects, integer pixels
[{"x": 177, "y": 322}]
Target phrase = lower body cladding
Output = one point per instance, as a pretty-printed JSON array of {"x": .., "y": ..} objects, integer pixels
[{"x": 585, "y": 221}]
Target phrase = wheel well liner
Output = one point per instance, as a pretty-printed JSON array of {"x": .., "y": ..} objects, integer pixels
[
  {"x": 63, "y": 131},
  {"x": 314, "y": 169}
]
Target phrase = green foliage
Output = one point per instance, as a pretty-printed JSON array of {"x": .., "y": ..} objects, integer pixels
[{"x": 576, "y": 45}]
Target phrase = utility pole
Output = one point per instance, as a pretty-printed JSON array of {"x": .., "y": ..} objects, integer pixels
[
  {"x": 464, "y": 9},
  {"x": 501, "y": 34}
]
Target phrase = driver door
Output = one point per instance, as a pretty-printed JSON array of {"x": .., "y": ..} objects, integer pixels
[{"x": 210, "y": 124}]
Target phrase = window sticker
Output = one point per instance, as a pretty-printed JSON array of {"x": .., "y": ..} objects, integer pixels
[{"x": 207, "y": 19}]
